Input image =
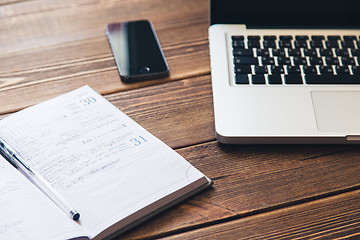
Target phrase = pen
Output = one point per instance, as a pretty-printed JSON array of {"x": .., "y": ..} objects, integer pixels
[{"x": 18, "y": 162}]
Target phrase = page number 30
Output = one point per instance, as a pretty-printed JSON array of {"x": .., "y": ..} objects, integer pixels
[{"x": 88, "y": 101}]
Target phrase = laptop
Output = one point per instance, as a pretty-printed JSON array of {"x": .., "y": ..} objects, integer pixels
[{"x": 286, "y": 72}]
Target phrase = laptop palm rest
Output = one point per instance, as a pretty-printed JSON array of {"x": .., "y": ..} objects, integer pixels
[{"x": 337, "y": 111}]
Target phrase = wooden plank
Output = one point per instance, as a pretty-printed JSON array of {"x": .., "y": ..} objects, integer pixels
[
  {"x": 34, "y": 24},
  {"x": 254, "y": 179},
  {"x": 43, "y": 72},
  {"x": 337, "y": 217},
  {"x": 7, "y": 2},
  {"x": 179, "y": 113},
  {"x": 38, "y": 85}
]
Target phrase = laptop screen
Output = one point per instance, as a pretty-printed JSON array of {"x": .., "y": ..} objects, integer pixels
[{"x": 285, "y": 13}]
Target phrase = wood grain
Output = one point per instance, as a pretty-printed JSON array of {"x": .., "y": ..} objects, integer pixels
[
  {"x": 73, "y": 49},
  {"x": 34, "y": 24},
  {"x": 249, "y": 180},
  {"x": 179, "y": 113},
  {"x": 6, "y": 2},
  {"x": 336, "y": 217}
]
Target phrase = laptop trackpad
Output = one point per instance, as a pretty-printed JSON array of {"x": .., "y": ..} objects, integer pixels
[{"x": 337, "y": 111}]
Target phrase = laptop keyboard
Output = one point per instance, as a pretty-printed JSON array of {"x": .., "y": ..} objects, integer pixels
[{"x": 296, "y": 59}]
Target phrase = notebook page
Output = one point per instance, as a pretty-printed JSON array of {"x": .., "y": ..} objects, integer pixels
[
  {"x": 26, "y": 213},
  {"x": 101, "y": 161}
]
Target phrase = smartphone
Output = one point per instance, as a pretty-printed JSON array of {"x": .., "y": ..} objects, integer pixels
[{"x": 137, "y": 51}]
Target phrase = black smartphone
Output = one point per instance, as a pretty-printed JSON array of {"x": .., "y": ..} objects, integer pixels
[{"x": 137, "y": 51}]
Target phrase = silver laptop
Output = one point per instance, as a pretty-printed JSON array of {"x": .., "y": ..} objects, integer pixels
[{"x": 286, "y": 72}]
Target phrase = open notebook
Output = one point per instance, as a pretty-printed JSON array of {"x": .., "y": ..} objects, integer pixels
[{"x": 114, "y": 172}]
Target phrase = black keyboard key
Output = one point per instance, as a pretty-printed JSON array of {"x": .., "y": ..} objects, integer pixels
[
  {"x": 316, "y": 44},
  {"x": 316, "y": 61},
  {"x": 347, "y": 61},
  {"x": 278, "y": 52},
  {"x": 284, "y": 61},
  {"x": 242, "y": 69},
  {"x": 258, "y": 79},
  {"x": 349, "y": 38},
  {"x": 326, "y": 70},
  {"x": 241, "y": 79},
  {"x": 300, "y": 61},
  {"x": 293, "y": 69},
  {"x": 274, "y": 79},
  {"x": 277, "y": 69},
  {"x": 293, "y": 79},
  {"x": 332, "y": 44},
  {"x": 310, "y": 52},
  {"x": 237, "y": 37},
  {"x": 238, "y": 44},
  {"x": 326, "y": 53},
  {"x": 261, "y": 69},
  {"x": 262, "y": 52},
  {"x": 332, "y": 79},
  {"x": 294, "y": 52},
  {"x": 342, "y": 52},
  {"x": 246, "y": 60},
  {"x": 342, "y": 70},
  {"x": 243, "y": 52},
  {"x": 347, "y": 44},
  {"x": 253, "y": 44},
  {"x": 270, "y": 38},
  {"x": 317, "y": 38},
  {"x": 285, "y": 44},
  {"x": 355, "y": 69},
  {"x": 269, "y": 44},
  {"x": 301, "y": 38},
  {"x": 257, "y": 38},
  {"x": 310, "y": 70},
  {"x": 355, "y": 52},
  {"x": 332, "y": 61},
  {"x": 268, "y": 61},
  {"x": 286, "y": 38},
  {"x": 300, "y": 44},
  {"x": 333, "y": 38}
]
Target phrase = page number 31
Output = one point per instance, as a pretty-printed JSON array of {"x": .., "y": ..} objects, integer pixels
[{"x": 138, "y": 141}]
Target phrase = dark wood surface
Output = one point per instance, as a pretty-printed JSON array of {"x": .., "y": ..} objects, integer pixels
[{"x": 49, "y": 47}]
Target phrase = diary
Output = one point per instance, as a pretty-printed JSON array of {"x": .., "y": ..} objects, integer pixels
[{"x": 114, "y": 172}]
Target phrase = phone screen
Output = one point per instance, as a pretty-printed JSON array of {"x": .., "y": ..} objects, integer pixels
[{"x": 136, "y": 50}]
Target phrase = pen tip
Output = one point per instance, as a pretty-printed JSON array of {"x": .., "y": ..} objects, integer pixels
[{"x": 75, "y": 215}]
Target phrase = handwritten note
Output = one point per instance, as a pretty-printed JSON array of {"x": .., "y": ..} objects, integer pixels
[
  {"x": 104, "y": 163},
  {"x": 78, "y": 139},
  {"x": 24, "y": 208}
]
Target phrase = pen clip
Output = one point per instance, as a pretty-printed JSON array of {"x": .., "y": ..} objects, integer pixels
[
  {"x": 6, "y": 153},
  {"x": 13, "y": 157}
]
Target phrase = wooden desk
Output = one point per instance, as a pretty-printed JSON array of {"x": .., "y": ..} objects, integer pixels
[{"x": 49, "y": 47}]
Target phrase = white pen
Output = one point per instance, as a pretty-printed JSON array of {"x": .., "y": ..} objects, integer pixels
[{"x": 17, "y": 161}]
